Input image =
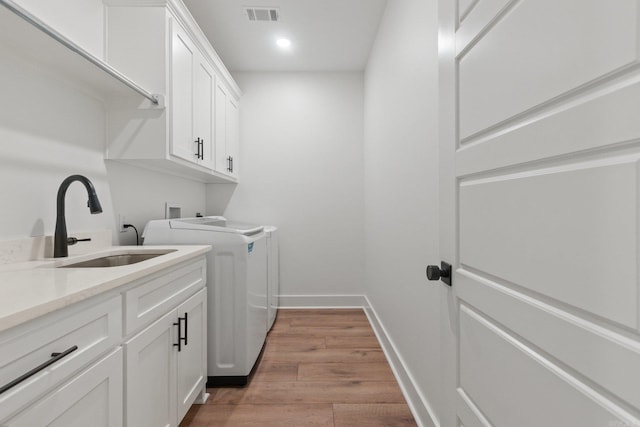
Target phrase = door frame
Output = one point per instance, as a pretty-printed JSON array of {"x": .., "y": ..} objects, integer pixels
[{"x": 448, "y": 210}]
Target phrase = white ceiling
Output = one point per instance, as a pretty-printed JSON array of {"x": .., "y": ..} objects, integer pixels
[{"x": 326, "y": 35}]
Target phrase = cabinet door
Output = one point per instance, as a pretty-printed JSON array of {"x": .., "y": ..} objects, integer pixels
[
  {"x": 92, "y": 398},
  {"x": 150, "y": 376},
  {"x": 192, "y": 357},
  {"x": 182, "y": 90},
  {"x": 233, "y": 136},
  {"x": 203, "y": 112},
  {"x": 222, "y": 163}
]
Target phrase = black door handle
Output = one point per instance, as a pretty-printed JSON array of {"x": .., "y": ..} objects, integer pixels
[{"x": 440, "y": 273}]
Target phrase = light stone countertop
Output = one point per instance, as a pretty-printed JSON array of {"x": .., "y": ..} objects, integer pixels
[{"x": 31, "y": 289}]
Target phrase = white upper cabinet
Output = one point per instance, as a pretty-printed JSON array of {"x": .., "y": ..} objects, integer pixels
[{"x": 160, "y": 44}]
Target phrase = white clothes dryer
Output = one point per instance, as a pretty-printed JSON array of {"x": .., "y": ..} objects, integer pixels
[
  {"x": 273, "y": 274},
  {"x": 237, "y": 289}
]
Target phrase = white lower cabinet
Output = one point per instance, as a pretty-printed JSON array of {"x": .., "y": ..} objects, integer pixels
[
  {"x": 165, "y": 366},
  {"x": 134, "y": 357},
  {"x": 91, "y": 398}
]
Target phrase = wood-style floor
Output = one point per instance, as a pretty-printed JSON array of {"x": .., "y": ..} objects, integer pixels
[{"x": 319, "y": 368}]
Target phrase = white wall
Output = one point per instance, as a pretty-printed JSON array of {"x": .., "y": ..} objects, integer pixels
[
  {"x": 401, "y": 186},
  {"x": 302, "y": 169},
  {"x": 79, "y": 20},
  {"x": 51, "y": 129},
  {"x": 141, "y": 195}
]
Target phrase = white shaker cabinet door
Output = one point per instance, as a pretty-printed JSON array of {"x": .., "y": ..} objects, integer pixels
[
  {"x": 222, "y": 160},
  {"x": 233, "y": 136},
  {"x": 183, "y": 52},
  {"x": 203, "y": 119},
  {"x": 150, "y": 376},
  {"x": 192, "y": 357}
]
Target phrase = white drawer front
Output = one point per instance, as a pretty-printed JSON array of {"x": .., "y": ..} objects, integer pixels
[
  {"x": 93, "y": 329},
  {"x": 93, "y": 398},
  {"x": 159, "y": 295}
]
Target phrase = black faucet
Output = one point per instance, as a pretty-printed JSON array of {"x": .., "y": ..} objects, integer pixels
[{"x": 60, "y": 243}]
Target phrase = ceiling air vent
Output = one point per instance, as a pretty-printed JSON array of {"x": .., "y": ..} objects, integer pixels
[{"x": 265, "y": 14}]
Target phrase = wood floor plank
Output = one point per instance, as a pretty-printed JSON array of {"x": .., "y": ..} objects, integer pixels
[
  {"x": 189, "y": 419},
  {"x": 373, "y": 415},
  {"x": 272, "y": 371},
  {"x": 311, "y": 392},
  {"x": 375, "y": 371},
  {"x": 323, "y": 331},
  {"x": 294, "y": 343},
  {"x": 329, "y": 312},
  {"x": 322, "y": 355},
  {"x": 212, "y": 392},
  {"x": 279, "y": 326},
  {"x": 351, "y": 320},
  {"x": 361, "y": 342},
  {"x": 318, "y": 415}
]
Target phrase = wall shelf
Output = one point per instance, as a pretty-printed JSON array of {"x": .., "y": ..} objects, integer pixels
[{"x": 24, "y": 33}]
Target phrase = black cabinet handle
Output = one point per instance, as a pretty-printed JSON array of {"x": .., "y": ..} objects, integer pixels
[
  {"x": 202, "y": 149},
  {"x": 186, "y": 329},
  {"x": 179, "y": 325},
  {"x": 197, "y": 141},
  {"x": 54, "y": 358},
  {"x": 181, "y": 338}
]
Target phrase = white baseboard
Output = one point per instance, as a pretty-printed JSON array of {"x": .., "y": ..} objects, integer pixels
[
  {"x": 420, "y": 408},
  {"x": 321, "y": 301}
]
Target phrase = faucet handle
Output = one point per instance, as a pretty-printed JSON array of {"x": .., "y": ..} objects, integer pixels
[{"x": 73, "y": 240}]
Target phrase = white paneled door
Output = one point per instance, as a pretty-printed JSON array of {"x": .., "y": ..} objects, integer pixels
[{"x": 540, "y": 200}]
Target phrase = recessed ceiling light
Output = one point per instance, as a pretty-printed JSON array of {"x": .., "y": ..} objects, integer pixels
[{"x": 283, "y": 43}]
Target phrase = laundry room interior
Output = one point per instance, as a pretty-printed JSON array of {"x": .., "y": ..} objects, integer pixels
[{"x": 344, "y": 140}]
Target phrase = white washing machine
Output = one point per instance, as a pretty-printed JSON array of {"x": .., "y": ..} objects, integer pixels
[{"x": 237, "y": 289}]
